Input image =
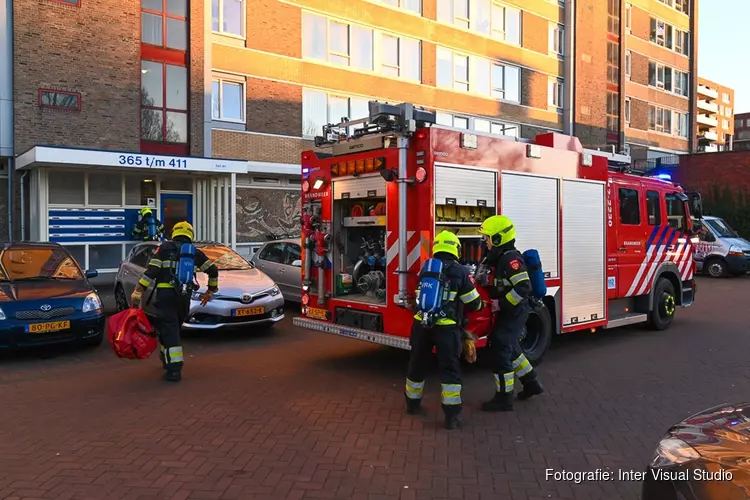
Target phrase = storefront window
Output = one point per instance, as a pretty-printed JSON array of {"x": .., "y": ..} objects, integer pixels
[
  {"x": 66, "y": 188},
  {"x": 138, "y": 190},
  {"x": 78, "y": 252},
  {"x": 105, "y": 256},
  {"x": 105, "y": 189}
]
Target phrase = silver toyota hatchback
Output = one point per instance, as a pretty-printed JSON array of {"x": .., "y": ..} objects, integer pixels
[{"x": 247, "y": 296}]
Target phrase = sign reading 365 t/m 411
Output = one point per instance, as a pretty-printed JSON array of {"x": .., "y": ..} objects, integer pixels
[{"x": 152, "y": 161}]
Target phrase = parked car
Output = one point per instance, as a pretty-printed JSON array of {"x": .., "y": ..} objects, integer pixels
[
  {"x": 247, "y": 296},
  {"x": 704, "y": 457},
  {"x": 720, "y": 251},
  {"x": 280, "y": 259},
  {"x": 45, "y": 298}
]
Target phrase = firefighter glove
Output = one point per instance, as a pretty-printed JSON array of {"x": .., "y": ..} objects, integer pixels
[
  {"x": 206, "y": 297},
  {"x": 135, "y": 297},
  {"x": 495, "y": 305},
  {"x": 470, "y": 351}
]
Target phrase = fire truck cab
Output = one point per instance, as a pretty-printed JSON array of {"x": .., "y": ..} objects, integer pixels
[{"x": 616, "y": 248}]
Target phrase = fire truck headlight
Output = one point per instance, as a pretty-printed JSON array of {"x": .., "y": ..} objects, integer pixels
[{"x": 319, "y": 181}]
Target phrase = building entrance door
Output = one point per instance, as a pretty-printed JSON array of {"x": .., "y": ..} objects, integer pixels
[{"x": 175, "y": 208}]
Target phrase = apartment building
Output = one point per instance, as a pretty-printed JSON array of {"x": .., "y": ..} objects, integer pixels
[
  {"x": 741, "y": 140},
  {"x": 658, "y": 42},
  {"x": 714, "y": 122}
]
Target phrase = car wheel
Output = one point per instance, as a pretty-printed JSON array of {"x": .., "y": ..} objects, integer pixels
[
  {"x": 716, "y": 268},
  {"x": 121, "y": 301},
  {"x": 537, "y": 334},
  {"x": 665, "y": 305}
]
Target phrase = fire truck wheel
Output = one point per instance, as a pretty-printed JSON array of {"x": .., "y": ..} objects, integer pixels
[
  {"x": 537, "y": 336},
  {"x": 716, "y": 268},
  {"x": 664, "y": 309}
]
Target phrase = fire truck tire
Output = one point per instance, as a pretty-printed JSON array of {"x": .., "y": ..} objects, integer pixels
[
  {"x": 537, "y": 335},
  {"x": 716, "y": 267},
  {"x": 663, "y": 312}
]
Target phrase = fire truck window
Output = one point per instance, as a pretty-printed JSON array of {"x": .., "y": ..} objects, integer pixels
[
  {"x": 630, "y": 208},
  {"x": 676, "y": 213},
  {"x": 654, "y": 208},
  {"x": 273, "y": 252}
]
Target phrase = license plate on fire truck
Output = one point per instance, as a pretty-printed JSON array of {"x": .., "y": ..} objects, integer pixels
[
  {"x": 317, "y": 313},
  {"x": 248, "y": 311}
]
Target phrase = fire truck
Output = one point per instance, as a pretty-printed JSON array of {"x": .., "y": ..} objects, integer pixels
[{"x": 616, "y": 247}]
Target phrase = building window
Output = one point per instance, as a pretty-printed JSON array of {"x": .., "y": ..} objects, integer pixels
[
  {"x": 227, "y": 17},
  {"x": 628, "y": 16},
  {"x": 628, "y": 63},
  {"x": 613, "y": 112},
  {"x": 680, "y": 83},
  {"x": 681, "y": 42},
  {"x": 506, "y": 83},
  {"x": 728, "y": 112},
  {"x": 164, "y": 102},
  {"x": 659, "y": 76},
  {"x": 613, "y": 16},
  {"x": 227, "y": 100},
  {"x": 725, "y": 124},
  {"x": 320, "y": 108},
  {"x": 412, "y": 5},
  {"x": 69, "y": 2},
  {"x": 627, "y": 110},
  {"x": 682, "y": 120},
  {"x": 164, "y": 23},
  {"x": 613, "y": 62},
  {"x": 400, "y": 57},
  {"x": 556, "y": 39},
  {"x": 59, "y": 99},
  {"x": 659, "y": 119},
  {"x": 450, "y": 67},
  {"x": 461, "y": 72},
  {"x": 682, "y": 6},
  {"x": 506, "y": 24},
  {"x": 555, "y": 93},
  {"x": 725, "y": 97},
  {"x": 486, "y": 125},
  {"x": 454, "y": 12},
  {"x": 661, "y": 33}
]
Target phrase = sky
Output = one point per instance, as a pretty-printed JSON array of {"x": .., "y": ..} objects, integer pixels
[{"x": 719, "y": 59}]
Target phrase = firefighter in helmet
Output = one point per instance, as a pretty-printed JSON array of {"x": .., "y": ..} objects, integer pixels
[
  {"x": 511, "y": 289},
  {"x": 172, "y": 296},
  {"x": 445, "y": 335},
  {"x": 148, "y": 228}
]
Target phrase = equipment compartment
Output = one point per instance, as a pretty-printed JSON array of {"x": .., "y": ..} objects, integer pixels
[{"x": 359, "y": 264}]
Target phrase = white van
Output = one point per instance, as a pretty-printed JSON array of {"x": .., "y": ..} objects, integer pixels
[{"x": 720, "y": 250}]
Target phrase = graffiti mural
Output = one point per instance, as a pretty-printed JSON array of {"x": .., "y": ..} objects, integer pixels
[
  {"x": 3, "y": 208},
  {"x": 267, "y": 214}
]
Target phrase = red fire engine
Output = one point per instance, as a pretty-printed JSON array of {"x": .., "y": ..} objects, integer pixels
[{"x": 616, "y": 248}]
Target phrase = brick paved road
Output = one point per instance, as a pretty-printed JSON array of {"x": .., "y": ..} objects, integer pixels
[{"x": 292, "y": 415}]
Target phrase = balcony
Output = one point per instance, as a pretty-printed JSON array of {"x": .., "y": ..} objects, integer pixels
[
  {"x": 709, "y": 135},
  {"x": 711, "y": 107},
  {"x": 707, "y": 120},
  {"x": 708, "y": 92}
]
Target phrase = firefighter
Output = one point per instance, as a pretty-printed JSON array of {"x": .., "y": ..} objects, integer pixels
[
  {"x": 446, "y": 335},
  {"x": 511, "y": 289},
  {"x": 172, "y": 304},
  {"x": 143, "y": 232}
]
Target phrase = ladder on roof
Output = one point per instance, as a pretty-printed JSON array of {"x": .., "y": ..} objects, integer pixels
[{"x": 401, "y": 119}]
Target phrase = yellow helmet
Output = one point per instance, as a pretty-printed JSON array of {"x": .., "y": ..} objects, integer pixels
[
  {"x": 145, "y": 211},
  {"x": 183, "y": 228},
  {"x": 500, "y": 230},
  {"x": 447, "y": 242}
]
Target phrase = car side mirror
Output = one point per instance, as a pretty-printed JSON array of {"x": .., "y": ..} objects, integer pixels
[
  {"x": 297, "y": 263},
  {"x": 92, "y": 273},
  {"x": 709, "y": 237}
]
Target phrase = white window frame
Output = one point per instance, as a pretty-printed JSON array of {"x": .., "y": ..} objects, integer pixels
[
  {"x": 557, "y": 39},
  {"x": 233, "y": 81},
  {"x": 725, "y": 124},
  {"x": 555, "y": 93},
  {"x": 628, "y": 16},
  {"x": 627, "y": 110},
  {"x": 329, "y": 119},
  {"x": 400, "y": 6},
  {"x": 378, "y": 57},
  {"x": 628, "y": 63},
  {"x": 472, "y": 123},
  {"x": 464, "y": 22},
  {"x": 725, "y": 98},
  {"x": 243, "y": 20},
  {"x": 501, "y": 33}
]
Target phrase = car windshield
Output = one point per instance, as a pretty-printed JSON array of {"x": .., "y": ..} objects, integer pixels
[
  {"x": 42, "y": 264},
  {"x": 225, "y": 258},
  {"x": 721, "y": 228}
]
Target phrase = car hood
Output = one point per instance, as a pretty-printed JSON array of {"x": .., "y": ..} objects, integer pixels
[
  {"x": 239, "y": 282},
  {"x": 41, "y": 290},
  {"x": 743, "y": 244},
  {"x": 721, "y": 433}
]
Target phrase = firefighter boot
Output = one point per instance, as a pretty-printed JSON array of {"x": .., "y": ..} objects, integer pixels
[
  {"x": 531, "y": 387},
  {"x": 501, "y": 401},
  {"x": 173, "y": 372},
  {"x": 414, "y": 406},
  {"x": 452, "y": 417}
]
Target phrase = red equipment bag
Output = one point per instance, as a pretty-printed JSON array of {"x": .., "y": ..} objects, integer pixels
[{"x": 131, "y": 334}]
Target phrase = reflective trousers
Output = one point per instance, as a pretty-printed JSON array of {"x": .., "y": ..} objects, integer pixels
[
  {"x": 448, "y": 344},
  {"x": 508, "y": 360},
  {"x": 169, "y": 312}
]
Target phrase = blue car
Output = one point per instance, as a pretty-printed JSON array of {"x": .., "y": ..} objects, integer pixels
[{"x": 45, "y": 298}]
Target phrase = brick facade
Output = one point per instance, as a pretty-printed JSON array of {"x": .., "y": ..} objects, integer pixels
[
  {"x": 254, "y": 147},
  {"x": 274, "y": 107},
  {"x": 638, "y": 68},
  {"x": 197, "y": 78},
  {"x": 535, "y": 32},
  {"x": 703, "y": 171},
  {"x": 638, "y": 114},
  {"x": 94, "y": 50}
]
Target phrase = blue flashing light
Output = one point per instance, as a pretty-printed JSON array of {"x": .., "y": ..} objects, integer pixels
[
  {"x": 664, "y": 177},
  {"x": 305, "y": 170}
]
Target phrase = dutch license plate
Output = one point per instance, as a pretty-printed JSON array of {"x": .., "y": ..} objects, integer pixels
[
  {"x": 249, "y": 311},
  {"x": 316, "y": 313},
  {"x": 49, "y": 326}
]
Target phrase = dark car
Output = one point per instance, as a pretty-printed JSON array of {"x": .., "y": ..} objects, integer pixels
[
  {"x": 45, "y": 297},
  {"x": 704, "y": 457}
]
